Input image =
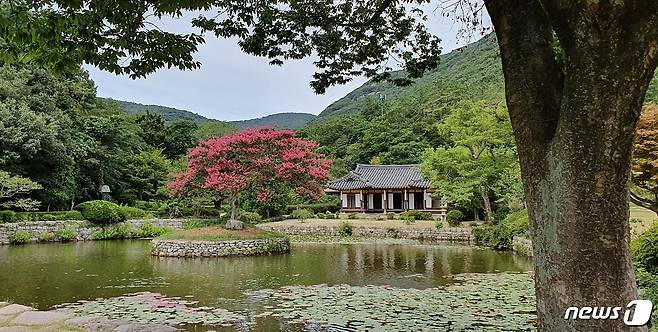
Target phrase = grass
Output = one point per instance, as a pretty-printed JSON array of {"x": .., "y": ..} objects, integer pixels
[
  {"x": 646, "y": 217},
  {"x": 218, "y": 233}
]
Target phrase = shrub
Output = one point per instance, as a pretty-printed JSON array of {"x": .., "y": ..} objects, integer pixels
[
  {"x": 390, "y": 216},
  {"x": 321, "y": 215},
  {"x": 20, "y": 237},
  {"x": 417, "y": 215},
  {"x": 454, "y": 217},
  {"x": 7, "y": 216},
  {"x": 351, "y": 216},
  {"x": 119, "y": 232},
  {"x": 500, "y": 214},
  {"x": 408, "y": 219},
  {"x": 46, "y": 237},
  {"x": 132, "y": 212},
  {"x": 302, "y": 214},
  {"x": 148, "y": 230},
  {"x": 645, "y": 249},
  {"x": 439, "y": 224},
  {"x": 198, "y": 223},
  {"x": 345, "y": 229},
  {"x": 648, "y": 288},
  {"x": 250, "y": 217},
  {"x": 101, "y": 212},
  {"x": 500, "y": 236},
  {"x": 67, "y": 234},
  {"x": 330, "y": 215}
]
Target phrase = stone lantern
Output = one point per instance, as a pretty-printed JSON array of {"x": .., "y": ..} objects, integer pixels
[{"x": 105, "y": 192}]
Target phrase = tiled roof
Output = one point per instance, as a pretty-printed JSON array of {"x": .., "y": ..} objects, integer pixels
[{"x": 381, "y": 177}]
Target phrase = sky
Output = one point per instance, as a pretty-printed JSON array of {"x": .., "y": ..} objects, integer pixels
[{"x": 231, "y": 85}]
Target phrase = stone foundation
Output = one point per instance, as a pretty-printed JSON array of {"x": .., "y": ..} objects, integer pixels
[
  {"x": 181, "y": 248},
  {"x": 412, "y": 233},
  {"x": 48, "y": 231}
]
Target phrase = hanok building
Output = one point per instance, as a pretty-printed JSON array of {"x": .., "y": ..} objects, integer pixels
[{"x": 386, "y": 188}]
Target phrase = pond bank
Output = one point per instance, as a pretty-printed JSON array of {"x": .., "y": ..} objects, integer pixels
[
  {"x": 74, "y": 230},
  {"x": 184, "y": 248},
  {"x": 332, "y": 229}
]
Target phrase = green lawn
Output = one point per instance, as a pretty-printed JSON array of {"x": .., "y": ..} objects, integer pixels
[
  {"x": 646, "y": 217},
  {"x": 218, "y": 233}
]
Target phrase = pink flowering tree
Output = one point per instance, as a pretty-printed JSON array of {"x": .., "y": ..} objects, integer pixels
[{"x": 263, "y": 160}]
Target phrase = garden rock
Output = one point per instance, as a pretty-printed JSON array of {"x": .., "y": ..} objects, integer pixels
[{"x": 234, "y": 224}]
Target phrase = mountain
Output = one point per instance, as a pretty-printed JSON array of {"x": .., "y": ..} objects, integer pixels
[
  {"x": 170, "y": 114},
  {"x": 476, "y": 68},
  {"x": 279, "y": 120}
]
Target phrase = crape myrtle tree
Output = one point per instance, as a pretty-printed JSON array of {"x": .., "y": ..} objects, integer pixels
[
  {"x": 263, "y": 161},
  {"x": 573, "y": 110},
  {"x": 644, "y": 191}
]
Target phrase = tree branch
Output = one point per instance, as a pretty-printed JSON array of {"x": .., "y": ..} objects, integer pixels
[{"x": 643, "y": 202}]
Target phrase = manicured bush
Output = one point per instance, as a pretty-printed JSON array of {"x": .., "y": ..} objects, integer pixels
[
  {"x": 330, "y": 215},
  {"x": 454, "y": 217},
  {"x": 345, "y": 229},
  {"x": 302, "y": 214},
  {"x": 351, "y": 216},
  {"x": 321, "y": 215},
  {"x": 132, "y": 212},
  {"x": 198, "y": 223},
  {"x": 417, "y": 215},
  {"x": 645, "y": 249},
  {"x": 101, "y": 212},
  {"x": 10, "y": 216},
  {"x": 250, "y": 217},
  {"x": 390, "y": 216},
  {"x": 67, "y": 234},
  {"x": 20, "y": 237},
  {"x": 316, "y": 207},
  {"x": 7, "y": 216}
]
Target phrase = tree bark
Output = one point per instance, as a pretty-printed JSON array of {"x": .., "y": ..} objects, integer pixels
[
  {"x": 574, "y": 129},
  {"x": 234, "y": 206},
  {"x": 486, "y": 203}
]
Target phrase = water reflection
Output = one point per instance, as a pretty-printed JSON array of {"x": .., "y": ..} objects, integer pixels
[{"x": 48, "y": 274}]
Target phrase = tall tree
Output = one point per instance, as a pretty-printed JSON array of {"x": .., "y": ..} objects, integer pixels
[
  {"x": 481, "y": 151},
  {"x": 573, "y": 113},
  {"x": 645, "y": 161},
  {"x": 263, "y": 161}
]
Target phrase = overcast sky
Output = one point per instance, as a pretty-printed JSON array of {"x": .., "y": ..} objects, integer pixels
[{"x": 231, "y": 85}]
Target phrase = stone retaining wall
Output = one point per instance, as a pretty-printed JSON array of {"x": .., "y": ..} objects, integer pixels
[
  {"x": 413, "y": 233},
  {"x": 522, "y": 246},
  {"x": 181, "y": 248},
  {"x": 47, "y": 231}
]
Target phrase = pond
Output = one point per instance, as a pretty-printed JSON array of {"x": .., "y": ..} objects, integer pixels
[{"x": 298, "y": 291}]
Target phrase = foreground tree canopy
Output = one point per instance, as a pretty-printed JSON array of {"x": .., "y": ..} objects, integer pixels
[{"x": 573, "y": 109}]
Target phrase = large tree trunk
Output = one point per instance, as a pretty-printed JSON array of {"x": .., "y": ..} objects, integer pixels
[{"x": 574, "y": 130}]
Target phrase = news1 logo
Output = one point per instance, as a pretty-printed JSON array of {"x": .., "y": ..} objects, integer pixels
[{"x": 636, "y": 313}]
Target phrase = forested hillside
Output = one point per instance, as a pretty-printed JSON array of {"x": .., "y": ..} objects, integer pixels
[
  {"x": 475, "y": 67},
  {"x": 169, "y": 115},
  {"x": 279, "y": 120}
]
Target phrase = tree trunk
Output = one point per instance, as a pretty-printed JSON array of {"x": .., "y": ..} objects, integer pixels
[
  {"x": 574, "y": 128},
  {"x": 486, "y": 202},
  {"x": 234, "y": 206}
]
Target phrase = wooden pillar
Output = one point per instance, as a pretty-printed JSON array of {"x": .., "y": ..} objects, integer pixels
[
  {"x": 363, "y": 207},
  {"x": 385, "y": 201},
  {"x": 405, "y": 203}
]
